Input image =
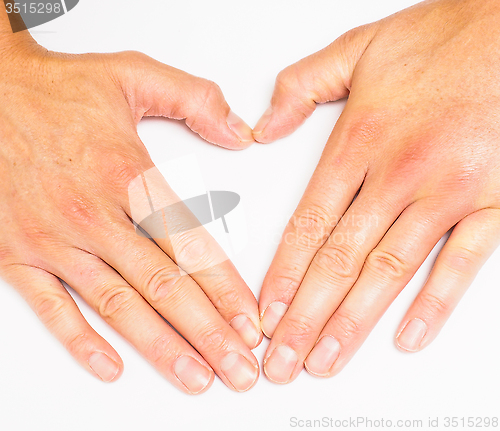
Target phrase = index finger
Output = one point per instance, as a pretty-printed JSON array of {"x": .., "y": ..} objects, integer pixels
[
  {"x": 329, "y": 193},
  {"x": 182, "y": 236}
]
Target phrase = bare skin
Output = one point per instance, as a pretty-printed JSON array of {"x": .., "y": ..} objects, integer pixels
[
  {"x": 419, "y": 140},
  {"x": 69, "y": 154}
]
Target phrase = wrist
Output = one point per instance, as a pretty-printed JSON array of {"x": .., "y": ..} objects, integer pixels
[{"x": 13, "y": 44}]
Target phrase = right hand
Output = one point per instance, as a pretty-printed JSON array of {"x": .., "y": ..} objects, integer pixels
[{"x": 69, "y": 152}]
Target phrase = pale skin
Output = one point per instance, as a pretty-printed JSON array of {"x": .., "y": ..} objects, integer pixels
[
  {"x": 419, "y": 140},
  {"x": 69, "y": 154}
]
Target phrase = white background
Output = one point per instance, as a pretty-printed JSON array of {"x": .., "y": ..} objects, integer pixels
[{"x": 242, "y": 46}]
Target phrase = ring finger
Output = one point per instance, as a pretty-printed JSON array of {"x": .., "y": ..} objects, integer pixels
[
  {"x": 387, "y": 270},
  {"x": 181, "y": 302},
  {"x": 126, "y": 311}
]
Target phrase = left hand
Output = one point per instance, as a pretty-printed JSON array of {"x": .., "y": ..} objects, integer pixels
[{"x": 419, "y": 140}]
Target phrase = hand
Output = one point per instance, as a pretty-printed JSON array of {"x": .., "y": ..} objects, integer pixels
[
  {"x": 419, "y": 140},
  {"x": 70, "y": 160}
]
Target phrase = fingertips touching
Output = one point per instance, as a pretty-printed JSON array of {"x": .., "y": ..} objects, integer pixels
[
  {"x": 322, "y": 77},
  {"x": 156, "y": 89}
]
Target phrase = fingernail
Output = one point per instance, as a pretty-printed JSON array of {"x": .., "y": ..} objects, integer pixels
[
  {"x": 192, "y": 374},
  {"x": 103, "y": 366},
  {"x": 239, "y": 371},
  {"x": 323, "y": 356},
  {"x": 412, "y": 335},
  {"x": 246, "y": 329},
  {"x": 272, "y": 317},
  {"x": 280, "y": 364},
  {"x": 263, "y": 121},
  {"x": 238, "y": 126}
]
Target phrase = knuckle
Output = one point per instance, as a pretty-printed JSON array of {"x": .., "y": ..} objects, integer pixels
[
  {"x": 209, "y": 92},
  {"x": 131, "y": 58},
  {"x": 365, "y": 129},
  {"x": 337, "y": 262},
  {"x": 310, "y": 228},
  {"x": 348, "y": 323},
  {"x": 288, "y": 78},
  {"x": 194, "y": 251},
  {"x": 300, "y": 329},
  {"x": 348, "y": 37},
  {"x": 289, "y": 81},
  {"x": 211, "y": 340},
  {"x": 460, "y": 261},
  {"x": 80, "y": 210},
  {"x": 351, "y": 42},
  {"x": 212, "y": 89},
  {"x": 386, "y": 264},
  {"x": 164, "y": 284},
  {"x": 283, "y": 286},
  {"x": 159, "y": 350},
  {"x": 209, "y": 104},
  {"x": 114, "y": 301},
  {"x": 226, "y": 297},
  {"x": 120, "y": 171},
  {"x": 76, "y": 344},
  {"x": 135, "y": 55},
  {"x": 433, "y": 303},
  {"x": 49, "y": 307},
  {"x": 35, "y": 232},
  {"x": 50, "y": 310}
]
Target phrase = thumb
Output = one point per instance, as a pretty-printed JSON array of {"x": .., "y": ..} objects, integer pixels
[
  {"x": 322, "y": 77},
  {"x": 155, "y": 89}
]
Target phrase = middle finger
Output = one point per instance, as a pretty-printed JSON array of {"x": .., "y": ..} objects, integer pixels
[
  {"x": 177, "y": 231},
  {"x": 329, "y": 278},
  {"x": 181, "y": 302}
]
